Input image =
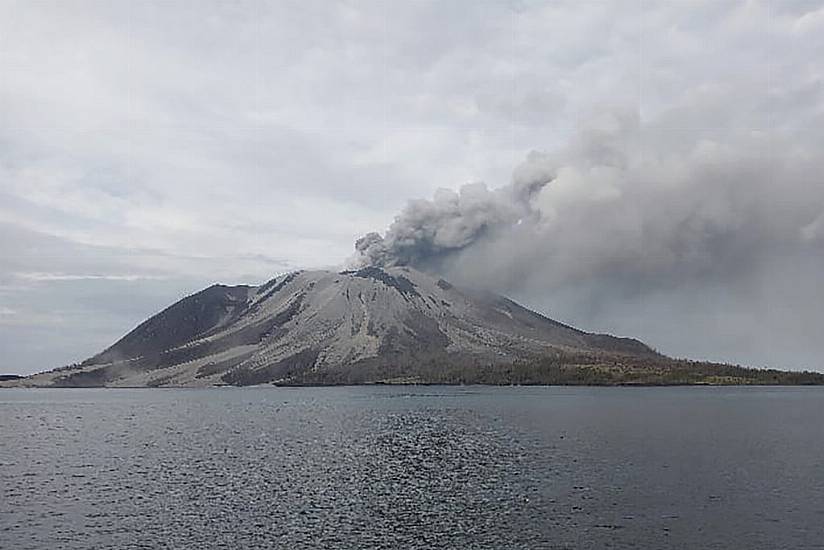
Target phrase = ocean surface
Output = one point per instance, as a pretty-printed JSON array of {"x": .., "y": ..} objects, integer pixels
[{"x": 412, "y": 467}]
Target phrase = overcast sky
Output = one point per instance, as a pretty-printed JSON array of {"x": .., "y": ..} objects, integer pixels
[{"x": 149, "y": 148}]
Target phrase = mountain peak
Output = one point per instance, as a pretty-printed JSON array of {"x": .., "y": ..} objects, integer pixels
[{"x": 364, "y": 325}]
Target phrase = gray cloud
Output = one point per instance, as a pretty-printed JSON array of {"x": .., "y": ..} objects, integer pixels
[
  {"x": 158, "y": 146},
  {"x": 635, "y": 224},
  {"x": 427, "y": 232}
]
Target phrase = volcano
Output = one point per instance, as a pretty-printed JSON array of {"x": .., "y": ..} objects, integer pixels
[{"x": 372, "y": 325}]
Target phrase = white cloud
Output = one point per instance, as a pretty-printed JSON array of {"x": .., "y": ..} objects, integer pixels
[{"x": 41, "y": 277}]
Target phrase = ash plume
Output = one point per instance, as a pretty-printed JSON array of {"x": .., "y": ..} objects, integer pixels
[
  {"x": 428, "y": 231},
  {"x": 627, "y": 226}
]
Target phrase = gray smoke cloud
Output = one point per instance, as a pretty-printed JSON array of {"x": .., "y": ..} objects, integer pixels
[
  {"x": 429, "y": 231},
  {"x": 640, "y": 230}
]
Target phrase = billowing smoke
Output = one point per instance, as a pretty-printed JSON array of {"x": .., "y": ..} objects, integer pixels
[
  {"x": 429, "y": 231},
  {"x": 644, "y": 231}
]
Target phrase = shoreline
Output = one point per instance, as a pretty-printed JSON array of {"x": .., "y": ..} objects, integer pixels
[{"x": 416, "y": 384}]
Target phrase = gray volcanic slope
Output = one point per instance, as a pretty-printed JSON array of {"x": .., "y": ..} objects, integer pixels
[{"x": 359, "y": 326}]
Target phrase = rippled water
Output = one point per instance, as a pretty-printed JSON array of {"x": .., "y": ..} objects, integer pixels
[{"x": 431, "y": 467}]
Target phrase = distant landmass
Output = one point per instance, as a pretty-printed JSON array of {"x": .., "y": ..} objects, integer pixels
[{"x": 372, "y": 326}]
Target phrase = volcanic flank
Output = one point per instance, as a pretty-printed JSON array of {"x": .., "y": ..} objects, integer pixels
[{"x": 372, "y": 325}]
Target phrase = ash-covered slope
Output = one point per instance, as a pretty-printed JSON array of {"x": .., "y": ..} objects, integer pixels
[{"x": 368, "y": 325}]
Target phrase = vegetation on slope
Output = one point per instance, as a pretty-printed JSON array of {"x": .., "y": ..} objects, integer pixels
[{"x": 563, "y": 369}]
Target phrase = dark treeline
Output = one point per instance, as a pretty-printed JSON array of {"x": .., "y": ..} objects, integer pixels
[{"x": 562, "y": 369}]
